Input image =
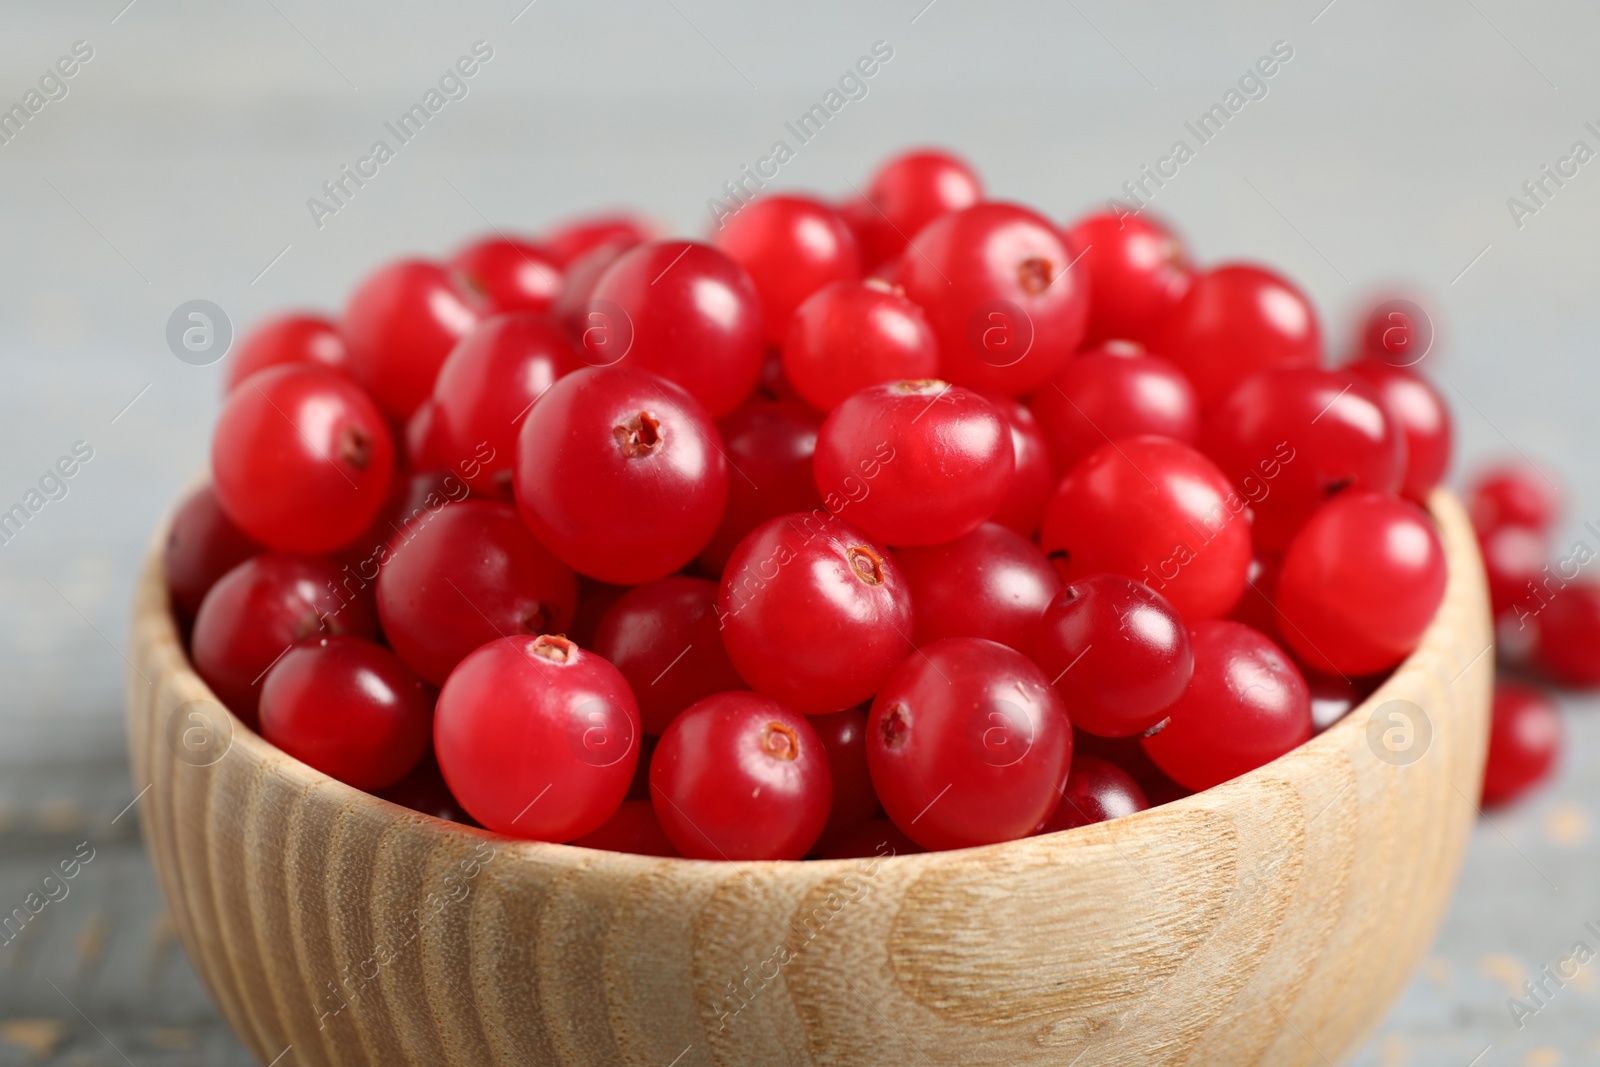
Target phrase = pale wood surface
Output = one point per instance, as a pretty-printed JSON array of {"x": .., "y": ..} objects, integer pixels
[{"x": 1271, "y": 920}]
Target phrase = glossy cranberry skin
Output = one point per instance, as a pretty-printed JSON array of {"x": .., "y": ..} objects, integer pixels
[
  {"x": 633, "y": 829},
  {"x": 202, "y": 545},
  {"x": 1566, "y": 644},
  {"x": 425, "y": 446},
  {"x": 1512, "y": 494},
  {"x": 1333, "y": 697},
  {"x": 1138, "y": 271},
  {"x": 855, "y": 802},
  {"x": 1291, "y": 439},
  {"x": 1246, "y": 706},
  {"x": 1525, "y": 737},
  {"x": 916, "y": 463},
  {"x": 1514, "y": 556},
  {"x": 968, "y": 744},
  {"x": 412, "y": 497},
  {"x": 1033, "y": 479},
  {"x": 1361, "y": 582},
  {"x": 1117, "y": 652},
  {"x": 992, "y": 583},
  {"x": 577, "y": 238},
  {"x": 301, "y": 459},
  {"x": 487, "y": 387},
  {"x": 790, "y": 246},
  {"x": 468, "y": 574},
  {"x": 400, "y": 324},
  {"x": 910, "y": 191},
  {"x": 739, "y": 776},
  {"x": 1157, "y": 511},
  {"x": 814, "y": 612},
  {"x": 1112, "y": 392},
  {"x": 995, "y": 282},
  {"x": 621, "y": 473},
  {"x": 291, "y": 338},
  {"x": 574, "y": 313},
  {"x": 1096, "y": 790},
  {"x": 852, "y": 334},
  {"x": 693, "y": 316},
  {"x": 1423, "y": 418},
  {"x": 664, "y": 638},
  {"x": 770, "y": 446},
  {"x": 537, "y": 737},
  {"x": 876, "y": 838},
  {"x": 424, "y": 791},
  {"x": 1258, "y": 604},
  {"x": 349, "y": 709},
  {"x": 509, "y": 274},
  {"x": 1237, "y": 320},
  {"x": 261, "y": 608}
]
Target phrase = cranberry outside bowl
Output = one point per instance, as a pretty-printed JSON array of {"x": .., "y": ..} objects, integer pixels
[{"x": 1272, "y": 919}]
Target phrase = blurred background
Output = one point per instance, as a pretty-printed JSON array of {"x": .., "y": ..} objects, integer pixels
[{"x": 178, "y": 166}]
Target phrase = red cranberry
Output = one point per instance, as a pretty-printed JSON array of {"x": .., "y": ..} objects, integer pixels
[
  {"x": 1034, "y": 478},
  {"x": 573, "y": 240},
  {"x": 1332, "y": 697},
  {"x": 633, "y": 829},
  {"x": 1237, "y": 320},
  {"x": 855, "y": 802},
  {"x": 908, "y": 192},
  {"x": 1246, "y": 706},
  {"x": 996, "y": 284},
  {"x": 508, "y": 274},
  {"x": 992, "y": 583},
  {"x": 1138, "y": 272},
  {"x": 1361, "y": 582},
  {"x": 1157, "y": 511},
  {"x": 1096, "y": 790},
  {"x": 850, "y": 335},
  {"x": 202, "y": 545},
  {"x": 425, "y": 446},
  {"x": 1397, "y": 332},
  {"x": 1112, "y": 392},
  {"x": 968, "y": 744},
  {"x": 916, "y": 463},
  {"x": 292, "y": 338},
  {"x": 738, "y": 776},
  {"x": 1525, "y": 738},
  {"x": 1416, "y": 407},
  {"x": 537, "y": 738},
  {"x": 400, "y": 324},
  {"x": 348, "y": 708},
  {"x": 770, "y": 446},
  {"x": 1258, "y": 605},
  {"x": 424, "y": 790},
  {"x": 622, "y": 474},
  {"x": 1566, "y": 639},
  {"x": 791, "y": 246},
  {"x": 302, "y": 459},
  {"x": 1513, "y": 558},
  {"x": 588, "y": 326},
  {"x": 876, "y": 838},
  {"x": 814, "y": 612},
  {"x": 1512, "y": 495}
]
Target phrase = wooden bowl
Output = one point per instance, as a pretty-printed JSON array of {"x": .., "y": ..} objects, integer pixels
[{"x": 1270, "y": 920}]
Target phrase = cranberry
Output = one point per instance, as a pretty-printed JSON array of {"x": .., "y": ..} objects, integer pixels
[
  {"x": 992, "y": 583},
  {"x": 1096, "y": 790},
  {"x": 203, "y": 544},
  {"x": 468, "y": 574},
  {"x": 690, "y": 314},
  {"x": 1246, "y": 706},
  {"x": 968, "y": 744},
  {"x": 769, "y": 447},
  {"x": 1397, "y": 332},
  {"x": 791, "y": 246},
  {"x": 508, "y": 274},
  {"x": 1001, "y": 296},
  {"x": 1237, "y": 320},
  {"x": 1566, "y": 640},
  {"x": 855, "y": 802},
  {"x": 1138, "y": 272},
  {"x": 261, "y": 608},
  {"x": 412, "y": 497},
  {"x": 850, "y": 335},
  {"x": 739, "y": 776},
  {"x": 814, "y": 612},
  {"x": 1128, "y": 754},
  {"x": 400, "y": 324},
  {"x": 1524, "y": 740},
  {"x": 878, "y": 838},
  {"x": 487, "y": 387},
  {"x": 537, "y": 738},
  {"x": 1512, "y": 495},
  {"x": 575, "y": 314},
  {"x": 664, "y": 638},
  {"x": 292, "y": 338},
  {"x": 1157, "y": 511},
  {"x": 621, "y": 473},
  {"x": 1258, "y": 605},
  {"x": 1513, "y": 557},
  {"x": 1292, "y": 438},
  {"x": 1361, "y": 582},
  {"x": 594, "y": 600},
  {"x": 639, "y": 787},
  {"x": 908, "y": 192},
  {"x": 425, "y": 445},
  {"x": 1416, "y": 407},
  {"x": 302, "y": 459},
  {"x": 1332, "y": 697},
  {"x": 917, "y": 463},
  {"x": 1111, "y": 392},
  {"x": 1034, "y": 478},
  {"x": 424, "y": 790},
  {"x": 633, "y": 829},
  {"x": 349, "y": 709},
  {"x": 573, "y": 240},
  {"x": 1117, "y": 653}
]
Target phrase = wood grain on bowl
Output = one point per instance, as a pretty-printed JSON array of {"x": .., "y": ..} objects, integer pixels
[{"x": 1270, "y": 920}]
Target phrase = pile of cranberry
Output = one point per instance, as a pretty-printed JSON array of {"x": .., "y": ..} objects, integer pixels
[{"x": 918, "y": 520}]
